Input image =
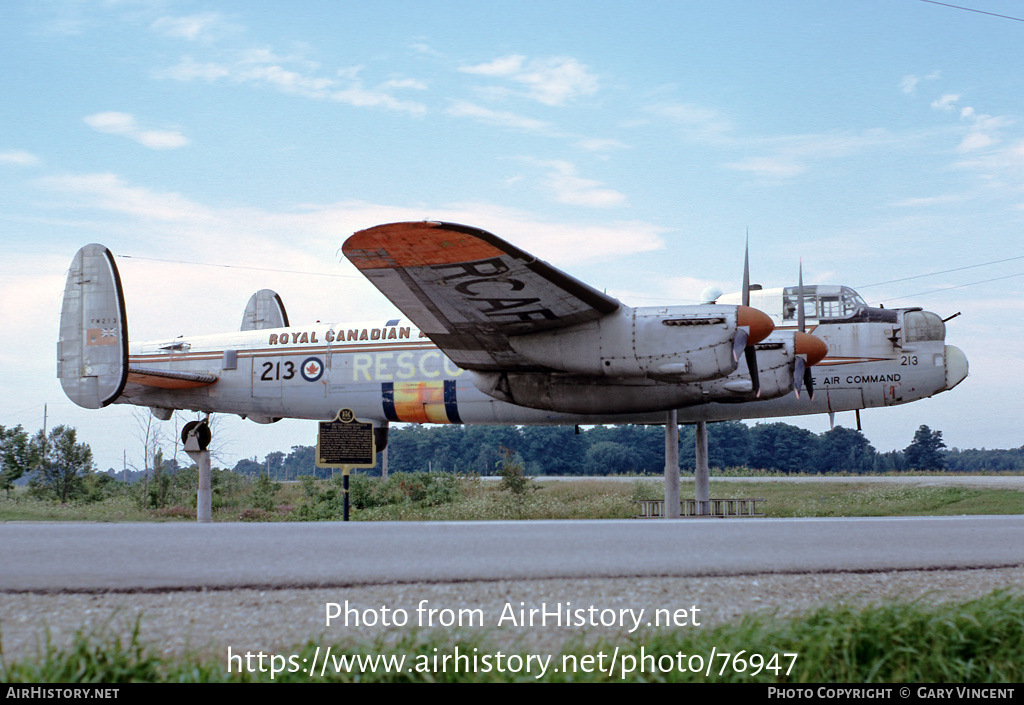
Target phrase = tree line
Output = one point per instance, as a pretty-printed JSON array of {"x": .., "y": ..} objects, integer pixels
[
  {"x": 61, "y": 468},
  {"x": 603, "y": 450}
]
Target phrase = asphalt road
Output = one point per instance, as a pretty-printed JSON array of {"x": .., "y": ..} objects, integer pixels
[{"x": 127, "y": 557}]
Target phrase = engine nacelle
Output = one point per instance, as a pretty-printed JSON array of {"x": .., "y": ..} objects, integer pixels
[
  {"x": 670, "y": 344},
  {"x": 584, "y": 394},
  {"x": 775, "y": 366}
]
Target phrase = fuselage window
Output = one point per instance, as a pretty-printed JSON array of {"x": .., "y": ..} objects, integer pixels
[
  {"x": 828, "y": 307},
  {"x": 790, "y": 303}
]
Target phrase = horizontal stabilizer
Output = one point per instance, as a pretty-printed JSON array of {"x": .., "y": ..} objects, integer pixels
[
  {"x": 166, "y": 379},
  {"x": 92, "y": 349},
  {"x": 264, "y": 310}
]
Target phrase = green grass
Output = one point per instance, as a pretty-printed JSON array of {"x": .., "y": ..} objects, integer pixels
[
  {"x": 978, "y": 641},
  {"x": 21, "y": 507},
  {"x": 853, "y": 500},
  {"x": 409, "y": 498}
]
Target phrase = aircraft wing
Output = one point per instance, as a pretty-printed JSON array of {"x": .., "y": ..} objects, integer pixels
[{"x": 470, "y": 291}]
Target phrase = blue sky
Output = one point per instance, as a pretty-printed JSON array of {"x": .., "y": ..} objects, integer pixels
[{"x": 632, "y": 145}]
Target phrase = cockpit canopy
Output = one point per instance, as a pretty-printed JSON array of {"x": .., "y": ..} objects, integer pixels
[{"x": 820, "y": 301}]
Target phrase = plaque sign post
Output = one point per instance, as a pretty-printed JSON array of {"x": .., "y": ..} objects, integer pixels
[{"x": 345, "y": 443}]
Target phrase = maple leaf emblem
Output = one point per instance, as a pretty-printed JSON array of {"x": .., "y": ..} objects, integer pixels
[{"x": 312, "y": 368}]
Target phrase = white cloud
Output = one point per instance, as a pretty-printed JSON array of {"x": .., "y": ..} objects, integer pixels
[
  {"x": 552, "y": 81},
  {"x": 462, "y": 108},
  {"x": 946, "y": 101},
  {"x": 929, "y": 201},
  {"x": 984, "y": 130},
  {"x": 910, "y": 81},
  {"x": 125, "y": 125},
  {"x": 262, "y": 66},
  {"x": 561, "y": 243},
  {"x": 425, "y": 49},
  {"x": 191, "y": 27},
  {"x": 18, "y": 156},
  {"x": 503, "y": 66},
  {"x": 695, "y": 122},
  {"x": 600, "y": 145},
  {"x": 792, "y": 155},
  {"x": 196, "y": 227},
  {"x": 975, "y": 141},
  {"x": 773, "y": 167},
  {"x": 189, "y": 69},
  {"x": 566, "y": 187},
  {"x": 1001, "y": 167},
  {"x": 110, "y": 192},
  {"x": 405, "y": 83}
]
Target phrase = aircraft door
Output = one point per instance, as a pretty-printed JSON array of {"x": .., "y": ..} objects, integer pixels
[{"x": 268, "y": 374}]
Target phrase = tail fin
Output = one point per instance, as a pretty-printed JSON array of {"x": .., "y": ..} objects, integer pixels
[
  {"x": 264, "y": 310},
  {"x": 92, "y": 351}
]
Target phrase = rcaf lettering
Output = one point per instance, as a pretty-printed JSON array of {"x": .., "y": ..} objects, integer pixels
[
  {"x": 297, "y": 338},
  {"x": 482, "y": 275},
  {"x": 464, "y": 287},
  {"x": 486, "y": 268},
  {"x": 502, "y": 304}
]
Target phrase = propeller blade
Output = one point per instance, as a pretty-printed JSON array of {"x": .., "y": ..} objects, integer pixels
[
  {"x": 801, "y": 326},
  {"x": 739, "y": 342},
  {"x": 809, "y": 382},
  {"x": 757, "y": 324},
  {"x": 799, "y": 367},
  {"x": 746, "y": 273},
  {"x": 809, "y": 350},
  {"x": 752, "y": 368}
]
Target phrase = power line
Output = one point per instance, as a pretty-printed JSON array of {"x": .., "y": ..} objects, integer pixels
[
  {"x": 950, "y": 288},
  {"x": 971, "y": 9},
  {"x": 945, "y": 271}
]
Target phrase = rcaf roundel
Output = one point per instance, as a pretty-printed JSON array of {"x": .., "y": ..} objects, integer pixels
[{"x": 312, "y": 369}]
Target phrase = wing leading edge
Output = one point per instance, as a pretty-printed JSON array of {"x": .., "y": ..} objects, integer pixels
[{"x": 469, "y": 291}]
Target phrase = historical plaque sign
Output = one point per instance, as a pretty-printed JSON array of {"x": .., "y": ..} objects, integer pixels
[{"x": 345, "y": 443}]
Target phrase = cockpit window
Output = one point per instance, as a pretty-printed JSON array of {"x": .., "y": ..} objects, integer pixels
[
  {"x": 821, "y": 302},
  {"x": 922, "y": 325}
]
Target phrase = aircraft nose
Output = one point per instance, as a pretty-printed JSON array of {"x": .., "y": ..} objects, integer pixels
[
  {"x": 956, "y": 366},
  {"x": 758, "y": 322},
  {"x": 811, "y": 346}
]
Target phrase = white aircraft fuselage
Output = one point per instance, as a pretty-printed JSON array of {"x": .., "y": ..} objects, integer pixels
[{"x": 387, "y": 371}]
